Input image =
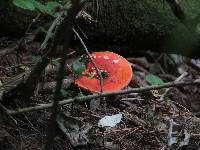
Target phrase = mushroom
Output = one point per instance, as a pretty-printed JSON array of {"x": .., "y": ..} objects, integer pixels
[{"x": 116, "y": 72}]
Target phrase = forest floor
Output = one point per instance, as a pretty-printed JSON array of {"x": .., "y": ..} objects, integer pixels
[{"x": 148, "y": 121}]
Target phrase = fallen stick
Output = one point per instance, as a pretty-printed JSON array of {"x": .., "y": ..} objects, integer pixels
[
  {"x": 168, "y": 89},
  {"x": 93, "y": 96},
  {"x": 7, "y": 88}
]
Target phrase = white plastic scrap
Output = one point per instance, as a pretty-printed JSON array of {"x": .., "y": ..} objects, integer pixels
[
  {"x": 110, "y": 121},
  {"x": 171, "y": 139}
]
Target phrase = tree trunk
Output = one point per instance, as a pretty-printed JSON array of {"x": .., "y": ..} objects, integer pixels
[
  {"x": 123, "y": 26},
  {"x": 134, "y": 25}
]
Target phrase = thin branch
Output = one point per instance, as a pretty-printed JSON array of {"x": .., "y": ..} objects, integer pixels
[
  {"x": 14, "y": 83},
  {"x": 168, "y": 89},
  {"x": 9, "y": 88},
  {"x": 66, "y": 24},
  {"x": 93, "y": 63},
  {"x": 25, "y": 85},
  {"x": 31, "y": 24},
  {"x": 94, "y": 96},
  {"x": 5, "y": 112},
  {"x": 50, "y": 32}
]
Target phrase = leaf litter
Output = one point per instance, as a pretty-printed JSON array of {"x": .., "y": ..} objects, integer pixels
[{"x": 147, "y": 122}]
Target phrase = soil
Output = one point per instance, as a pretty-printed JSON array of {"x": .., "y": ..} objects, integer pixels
[{"x": 146, "y": 120}]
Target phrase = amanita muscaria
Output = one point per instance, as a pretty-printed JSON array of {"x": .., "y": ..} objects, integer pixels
[{"x": 116, "y": 72}]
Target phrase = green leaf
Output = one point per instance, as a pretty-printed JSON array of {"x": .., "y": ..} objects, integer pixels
[
  {"x": 78, "y": 67},
  {"x": 39, "y": 6},
  {"x": 154, "y": 80},
  {"x": 50, "y": 8},
  {"x": 25, "y": 4}
]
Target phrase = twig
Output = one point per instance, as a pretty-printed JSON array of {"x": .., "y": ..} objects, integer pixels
[
  {"x": 93, "y": 63},
  {"x": 26, "y": 89},
  {"x": 25, "y": 86},
  {"x": 7, "y": 88},
  {"x": 27, "y": 82},
  {"x": 93, "y": 96},
  {"x": 31, "y": 24},
  {"x": 50, "y": 32},
  {"x": 66, "y": 24},
  {"x": 5, "y": 111},
  {"x": 168, "y": 89}
]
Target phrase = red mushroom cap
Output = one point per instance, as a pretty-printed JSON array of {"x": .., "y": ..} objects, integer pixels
[{"x": 117, "y": 69}]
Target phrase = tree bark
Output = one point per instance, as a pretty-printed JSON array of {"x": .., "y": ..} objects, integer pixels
[
  {"x": 123, "y": 26},
  {"x": 128, "y": 26}
]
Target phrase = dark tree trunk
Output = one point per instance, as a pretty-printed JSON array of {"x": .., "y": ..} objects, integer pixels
[
  {"x": 124, "y": 26},
  {"x": 134, "y": 25}
]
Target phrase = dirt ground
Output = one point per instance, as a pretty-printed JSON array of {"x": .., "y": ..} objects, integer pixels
[{"x": 148, "y": 122}]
